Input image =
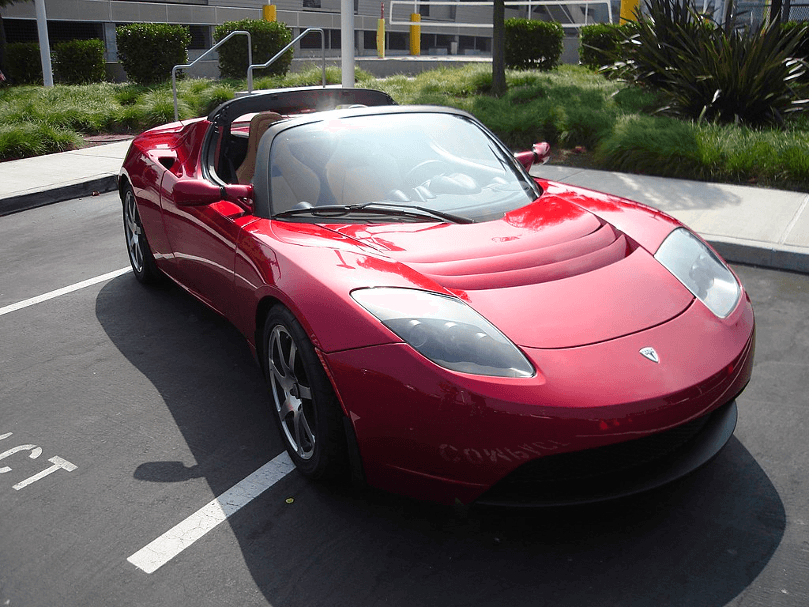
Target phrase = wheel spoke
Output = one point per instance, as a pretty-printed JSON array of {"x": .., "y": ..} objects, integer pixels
[
  {"x": 278, "y": 365},
  {"x": 303, "y": 434},
  {"x": 304, "y": 392},
  {"x": 291, "y": 358}
]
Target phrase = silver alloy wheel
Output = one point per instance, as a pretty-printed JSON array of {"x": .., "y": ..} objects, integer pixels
[
  {"x": 292, "y": 394},
  {"x": 134, "y": 232}
]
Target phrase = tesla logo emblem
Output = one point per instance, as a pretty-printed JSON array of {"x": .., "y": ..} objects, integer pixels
[{"x": 649, "y": 352}]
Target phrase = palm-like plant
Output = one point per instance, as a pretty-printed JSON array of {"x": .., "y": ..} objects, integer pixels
[{"x": 709, "y": 72}]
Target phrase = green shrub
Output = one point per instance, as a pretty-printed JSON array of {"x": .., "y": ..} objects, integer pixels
[
  {"x": 149, "y": 51},
  {"x": 27, "y": 139},
  {"x": 530, "y": 44},
  {"x": 651, "y": 145},
  {"x": 600, "y": 43},
  {"x": 267, "y": 39},
  {"x": 740, "y": 75},
  {"x": 24, "y": 62},
  {"x": 78, "y": 61}
]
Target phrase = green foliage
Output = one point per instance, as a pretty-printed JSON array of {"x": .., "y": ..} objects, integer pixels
[
  {"x": 149, "y": 51},
  {"x": 530, "y": 44},
  {"x": 310, "y": 77},
  {"x": 24, "y": 62},
  {"x": 728, "y": 153},
  {"x": 267, "y": 39},
  {"x": 800, "y": 51},
  {"x": 78, "y": 61},
  {"x": 740, "y": 75},
  {"x": 198, "y": 95},
  {"x": 651, "y": 145},
  {"x": 569, "y": 107},
  {"x": 26, "y": 139},
  {"x": 600, "y": 43}
]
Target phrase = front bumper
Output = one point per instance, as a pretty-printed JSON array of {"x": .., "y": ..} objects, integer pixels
[{"x": 433, "y": 434}]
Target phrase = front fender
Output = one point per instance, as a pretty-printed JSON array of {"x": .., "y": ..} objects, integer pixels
[{"x": 313, "y": 271}]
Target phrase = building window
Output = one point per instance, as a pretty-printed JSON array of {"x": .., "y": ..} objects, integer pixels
[{"x": 200, "y": 37}]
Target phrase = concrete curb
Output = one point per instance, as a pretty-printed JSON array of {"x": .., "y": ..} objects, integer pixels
[
  {"x": 784, "y": 257},
  {"x": 32, "y": 200}
]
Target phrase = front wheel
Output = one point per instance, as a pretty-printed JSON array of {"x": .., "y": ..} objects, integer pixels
[
  {"x": 140, "y": 255},
  {"x": 305, "y": 406}
]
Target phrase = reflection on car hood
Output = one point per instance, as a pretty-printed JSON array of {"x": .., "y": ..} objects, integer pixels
[{"x": 549, "y": 275}]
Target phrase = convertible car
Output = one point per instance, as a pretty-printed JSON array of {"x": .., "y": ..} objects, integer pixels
[{"x": 430, "y": 319}]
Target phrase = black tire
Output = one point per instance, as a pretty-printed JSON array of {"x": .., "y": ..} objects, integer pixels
[
  {"x": 304, "y": 404},
  {"x": 140, "y": 254}
]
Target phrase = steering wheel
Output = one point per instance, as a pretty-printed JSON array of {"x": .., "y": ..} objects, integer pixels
[{"x": 425, "y": 170}]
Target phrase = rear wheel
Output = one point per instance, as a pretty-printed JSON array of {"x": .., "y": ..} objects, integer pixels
[
  {"x": 140, "y": 255},
  {"x": 306, "y": 409}
]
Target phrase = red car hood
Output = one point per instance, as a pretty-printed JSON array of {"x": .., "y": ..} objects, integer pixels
[{"x": 550, "y": 275}]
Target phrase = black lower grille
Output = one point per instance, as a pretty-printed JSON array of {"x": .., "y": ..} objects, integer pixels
[
  {"x": 605, "y": 460},
  {"x": 616, "y": 470}
]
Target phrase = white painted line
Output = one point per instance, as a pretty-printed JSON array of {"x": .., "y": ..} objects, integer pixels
[
  {"x": 194, "y": 527},
  {"x": 60, "y": 292}
]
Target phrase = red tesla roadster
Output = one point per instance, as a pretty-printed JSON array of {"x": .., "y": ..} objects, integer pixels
[{"x": 432, "y": 320}]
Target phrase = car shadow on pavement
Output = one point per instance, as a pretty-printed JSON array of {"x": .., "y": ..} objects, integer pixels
[{"x": 699, "y": 541}]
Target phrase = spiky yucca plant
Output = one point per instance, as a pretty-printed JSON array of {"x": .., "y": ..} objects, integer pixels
[{"x": 707, "y": 72}]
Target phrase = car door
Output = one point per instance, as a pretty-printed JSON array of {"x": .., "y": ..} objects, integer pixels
[{"x": 203, "y": 231}]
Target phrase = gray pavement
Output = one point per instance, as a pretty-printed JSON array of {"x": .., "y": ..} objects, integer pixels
[{"x": 748, "y": 225}]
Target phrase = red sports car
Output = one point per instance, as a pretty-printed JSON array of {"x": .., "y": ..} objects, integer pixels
[{"x": 431, "y": 319}]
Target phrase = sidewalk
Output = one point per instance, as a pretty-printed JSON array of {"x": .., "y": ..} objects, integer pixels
[{"x": 746, "y": 225}]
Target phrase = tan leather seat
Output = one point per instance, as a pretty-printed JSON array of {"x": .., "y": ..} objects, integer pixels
[
  {"x": 291, "y": 181},
  {"x": 258, "y": 125},
  {"x": 361, "y": 175}
]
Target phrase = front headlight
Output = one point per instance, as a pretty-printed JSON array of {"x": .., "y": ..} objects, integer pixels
[
  {"x": 446, "y": 331},
  {"x": 700, "y": 270}
]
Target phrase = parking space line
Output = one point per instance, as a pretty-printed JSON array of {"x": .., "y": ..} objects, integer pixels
[
  {"x": 183, "y": 535},
  {"x": 64, "y": 290}
]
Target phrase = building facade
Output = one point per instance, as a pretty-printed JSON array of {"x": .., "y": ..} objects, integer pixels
[{"x": 445, "y": 30}]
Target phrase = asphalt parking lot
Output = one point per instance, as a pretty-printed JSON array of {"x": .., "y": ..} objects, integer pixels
[{"x": 125, "y": 410}]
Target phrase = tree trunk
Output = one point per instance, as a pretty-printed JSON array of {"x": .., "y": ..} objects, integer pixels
[
  {"x": 498, "y": 59},
  {"x": 3, "y": 66}
]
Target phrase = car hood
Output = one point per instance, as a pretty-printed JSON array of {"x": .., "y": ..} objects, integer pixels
[{"x": 549, "y": 275}]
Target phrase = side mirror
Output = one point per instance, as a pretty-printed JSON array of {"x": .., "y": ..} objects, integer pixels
[
  {"x": 241, "y": 194},
  {"x": 538, "y": 155},
  {"x": 199, "y": 192},
  {"x": 194, "y": 192}
]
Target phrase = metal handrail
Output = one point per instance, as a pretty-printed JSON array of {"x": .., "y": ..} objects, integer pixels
[
  {"x": 284, "y": 50},
  {"x": 213, "y": 48}
]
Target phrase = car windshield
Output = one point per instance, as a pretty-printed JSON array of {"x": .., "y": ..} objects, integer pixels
[{"x": 420, "y": 160}]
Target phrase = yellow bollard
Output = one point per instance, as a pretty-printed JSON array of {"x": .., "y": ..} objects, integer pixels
[
  {"x": 269, "y": 12},
  {"x": 627, "y": 11},
  {"x": 416, "y": 34},
  {"x": 381, "y": 38}
]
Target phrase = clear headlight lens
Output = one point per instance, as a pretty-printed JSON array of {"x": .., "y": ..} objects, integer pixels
[
  {"x": 446, "y": 331},
  {"x": 700, "y": 270}
]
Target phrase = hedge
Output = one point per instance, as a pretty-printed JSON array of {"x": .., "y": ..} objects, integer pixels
[
  {"x": 267, "y": 39},
  {"x": 530, "y": 44},
  {"x": 600, "y": 42},
  {"x": 149, "y": 51},
  {"x": 24, "y": 62},
  {"x": 78, "y": 61}
]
